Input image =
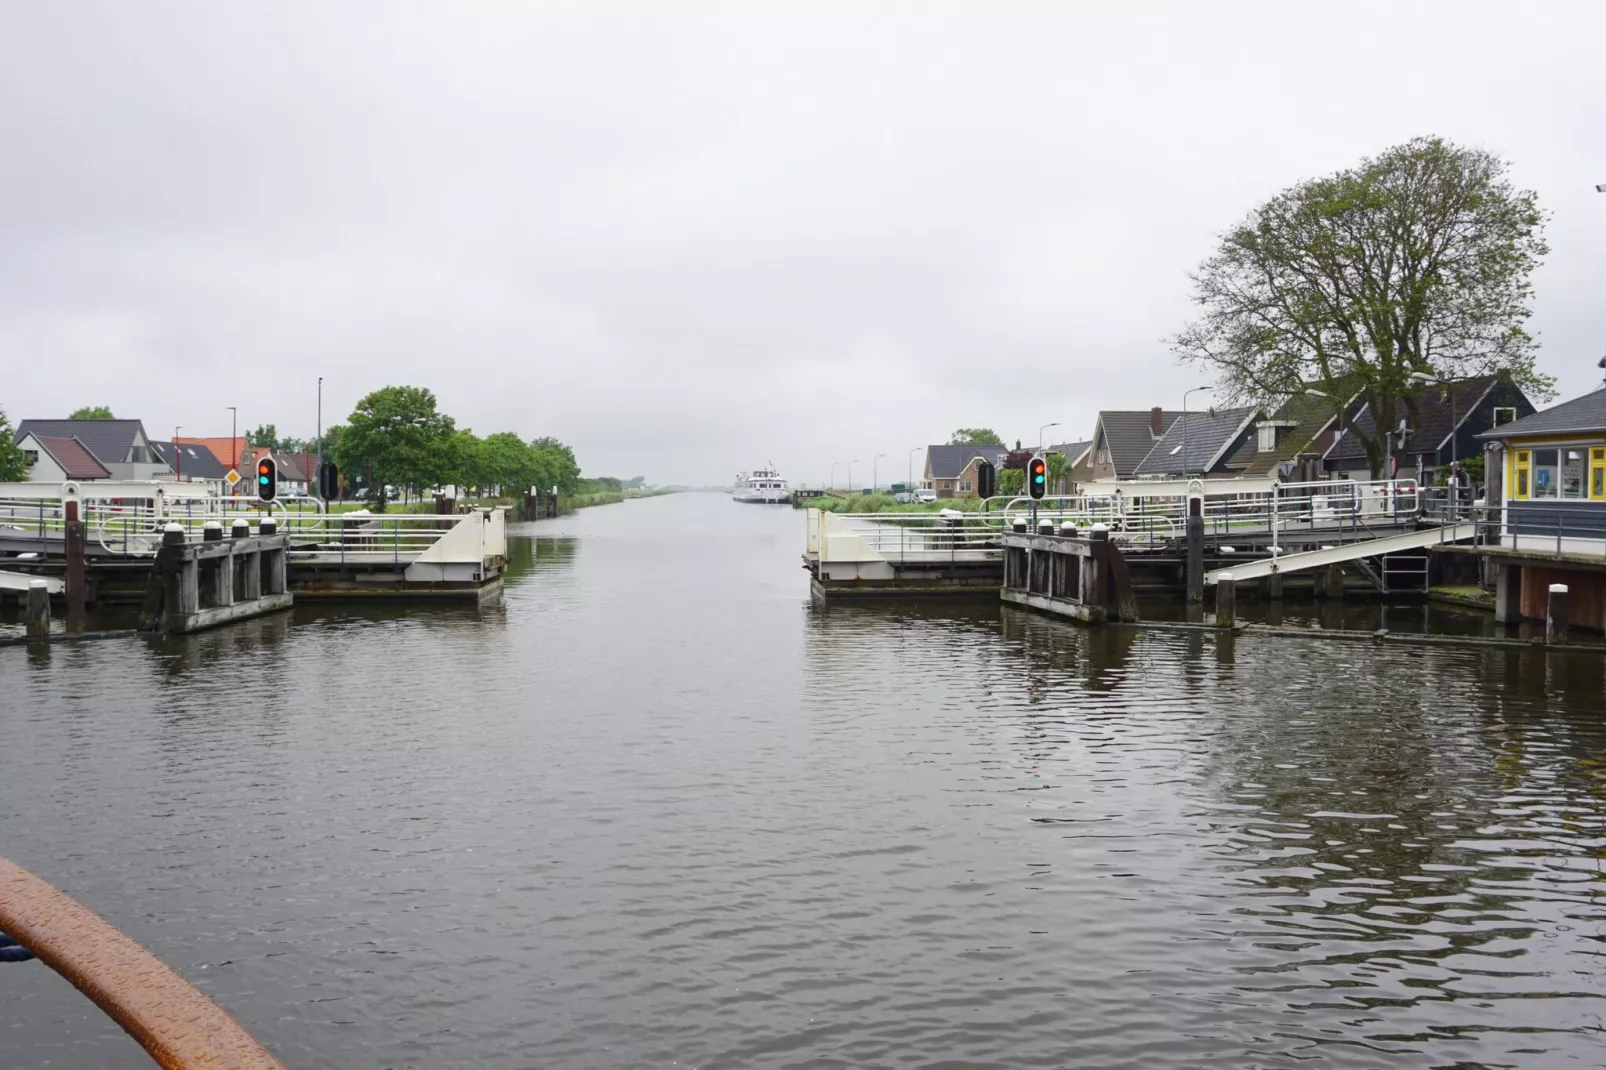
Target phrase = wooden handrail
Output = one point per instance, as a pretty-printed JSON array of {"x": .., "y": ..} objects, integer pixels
[{"x": 181, "y": 1028}]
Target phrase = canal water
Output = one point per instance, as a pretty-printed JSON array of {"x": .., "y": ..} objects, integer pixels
[{"x": 655, "y": 809}]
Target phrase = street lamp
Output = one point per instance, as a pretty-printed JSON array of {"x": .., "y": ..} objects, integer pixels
[
  {"x": 875, "y": 474},
  {"x": 1185, "y": 394},
  {"x": 1040, "y": 431},
  {"x": 850, "y": 474}
]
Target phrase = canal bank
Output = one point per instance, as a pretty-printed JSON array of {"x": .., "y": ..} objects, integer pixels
[{"x": 655, "y": 807}]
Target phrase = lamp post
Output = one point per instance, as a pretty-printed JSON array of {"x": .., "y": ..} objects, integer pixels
[
  {"x": 875, "y": 474},
  {"x": 911, "y": 487},
  {"x": 1040, "y": 431},
  {"x": 850, "y": 474},
  {"x": 318, "y": 469},
  {"x": 1185, "y": 394},
  {"x": 178, "y": 456}
]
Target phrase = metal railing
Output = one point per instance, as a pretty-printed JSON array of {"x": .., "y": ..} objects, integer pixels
[
  {"x": 1341, "y": 509},
  {"x": 133, "y": 528}
]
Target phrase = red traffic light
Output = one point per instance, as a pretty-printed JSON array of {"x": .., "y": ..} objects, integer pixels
[
  {"x": 1037, "y": 478},
  {"x": 267, "y": 479}
]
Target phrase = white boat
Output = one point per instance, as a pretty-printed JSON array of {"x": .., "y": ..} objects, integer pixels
[{"x": 763, "y": 486}]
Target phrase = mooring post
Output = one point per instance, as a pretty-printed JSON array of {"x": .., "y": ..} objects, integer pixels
[
  {"x": 75, "y": 540},
  {"x": 1196, "y": 568},
  {"x": 241, "y": 528},
  {"x": 1226, "y": 601},
  {"x": 267, "y": 526},
  {"x": 1274, "y": 586},
  {"x": 212, "y": 531},
  {"x": 1556, "y": 615},
  {"x": 1067, "y": 529},
  {"x": 37, "y": 621},
  {"x": 1045, "y": 526},
  {"x": 1018, "y": 525}
]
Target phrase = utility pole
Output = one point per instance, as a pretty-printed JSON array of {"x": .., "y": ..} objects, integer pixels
[
  {"x": 318, "y": 471},
  {"x": 178, "y": 456}
]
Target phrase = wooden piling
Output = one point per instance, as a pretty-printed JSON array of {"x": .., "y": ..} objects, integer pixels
[
  {"x": 1556, "y": 615},
  {"x": 1226, "y": 601},
  {"x": 1274, "y": 586},
  {"x": 75, "y": 548},
  {"x": 1196, "y": 569},
  {"x": 36, "y": 623}
]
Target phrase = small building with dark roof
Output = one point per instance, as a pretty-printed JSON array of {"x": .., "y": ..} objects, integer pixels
[
  {"x": 57, "y": 459},
  {"x": 193, "y": 463},
  {"x": 1443, "y": 426},
  {"x": 1123, "y": 438},
  {"x": 121, "y": 445},
  {"x": 1546, "y": 479},
  {"x": 951, "y": 470},
  {"x": 1203, "y": 443}
]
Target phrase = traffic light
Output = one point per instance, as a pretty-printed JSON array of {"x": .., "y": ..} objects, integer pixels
[
  {"x": 267, "y": 479},
  {"x": 1036, "y": 478},
  {"x": 986, "y": 480},
  {"x": 328, "y": 481}
]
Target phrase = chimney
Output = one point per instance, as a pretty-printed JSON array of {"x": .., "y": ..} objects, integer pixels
[{"x": 1156, "y": 421}]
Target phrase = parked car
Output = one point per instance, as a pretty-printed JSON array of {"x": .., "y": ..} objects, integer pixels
[
  {"x": 927, "y": 495},
  {"x": 904, "y": 497}
]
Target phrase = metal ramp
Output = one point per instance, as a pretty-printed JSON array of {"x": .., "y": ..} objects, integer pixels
[
  {"x": 19, "y": 581},
  {"x": 1389, "y": 544}
]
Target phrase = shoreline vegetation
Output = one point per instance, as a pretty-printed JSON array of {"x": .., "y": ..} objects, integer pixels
[{"x": 878, "y": 503}]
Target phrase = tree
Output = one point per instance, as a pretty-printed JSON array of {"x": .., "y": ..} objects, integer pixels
[
  {"x": 1417, "y": 260},
  {"x": 14, "y": 464},
  {"x": 556, "y": 465},
  {"x": 265, "y": 436},
  {"x": 1011, "y": 481},
  {"x": 635, "y": 482},
  {"x": 975, "y": 436},
  {"x": 92, "y": 412},
  {"x": 1056, "y": 463},
  {"x": 397, "y": 434}
]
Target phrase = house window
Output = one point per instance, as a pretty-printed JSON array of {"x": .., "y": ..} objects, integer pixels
[
  {"x": 964, "y": 486},
  {"x": 1573, "y": 468},
  {"x": 31, "y": 456},
  {"x": 1267, "y": 439},
  {"x": 1104, "y": 455},
  {"x": 1597, "y": 473},
  {"x": 1546, "y": 479},
  {"x": 1522, "y": 462}
]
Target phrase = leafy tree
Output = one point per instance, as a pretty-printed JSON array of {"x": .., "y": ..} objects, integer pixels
[
  {"x": 92, "y": 412},
  {"x": 1417, "y": 260},
  {"x": 398, "y": 434},
  {"x": 556, "y": 465},
  {"x": 1011, "y": 481},
  {"x": 265, "y": 437},
  {"x": 1056, "y": 463},
  {"x": 975, "y": 436},
  {"x": 635, "y": 482},
  {"x": 14, "y": 464}
]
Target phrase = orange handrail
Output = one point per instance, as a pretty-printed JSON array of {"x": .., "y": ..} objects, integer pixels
[{"x": 180, "y": 1027}]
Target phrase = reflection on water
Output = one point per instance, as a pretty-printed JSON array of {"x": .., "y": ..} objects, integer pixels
[{"x": 655, "y": 808}]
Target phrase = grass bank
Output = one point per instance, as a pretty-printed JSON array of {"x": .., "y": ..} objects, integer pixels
[{"x": 880, "y": 503}]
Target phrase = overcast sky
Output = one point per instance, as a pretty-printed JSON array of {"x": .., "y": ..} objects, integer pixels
[{"x": 694, "y": 241}]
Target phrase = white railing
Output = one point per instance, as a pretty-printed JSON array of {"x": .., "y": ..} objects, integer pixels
[
  {"x": 134, "y": 528},
  {"x": 1228, "y": 510}
]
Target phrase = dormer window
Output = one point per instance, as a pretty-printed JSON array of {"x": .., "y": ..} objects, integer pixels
[{"x": 1267, "y": 440}]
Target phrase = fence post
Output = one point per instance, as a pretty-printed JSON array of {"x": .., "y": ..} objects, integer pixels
[
  {"x": 1226, "y": 601},
  {"x": 37, "y": 621},
  {"x": 1556, "y": 615},
  {"x": 74, "y": 538}
]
